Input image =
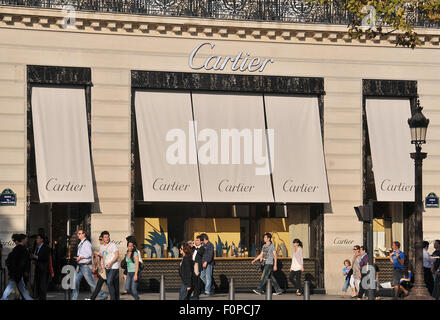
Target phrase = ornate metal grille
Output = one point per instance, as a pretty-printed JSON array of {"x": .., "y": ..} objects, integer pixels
[{"x": 299, "y": 11}]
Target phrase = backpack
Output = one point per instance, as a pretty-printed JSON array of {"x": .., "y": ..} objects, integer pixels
[{"x": 10, "y": 260}]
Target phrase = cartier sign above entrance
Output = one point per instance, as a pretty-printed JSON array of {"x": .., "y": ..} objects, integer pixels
[{"x": 242, "y": 61}]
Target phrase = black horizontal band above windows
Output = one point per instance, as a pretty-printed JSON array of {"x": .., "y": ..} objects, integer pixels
[
  {"x": 55, "y": 75},
  {"x": 226, "y": 82},
  {"x": 389, "y": 88}
]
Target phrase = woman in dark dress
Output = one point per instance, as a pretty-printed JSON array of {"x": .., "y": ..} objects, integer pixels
[{"x": 185, "y": 271}]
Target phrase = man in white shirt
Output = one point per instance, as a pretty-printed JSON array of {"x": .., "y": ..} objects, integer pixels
[
  {"x": 84, "y": 265},
  {"x": 110, "y": 253},
  {"x": 427, "y": 268}
]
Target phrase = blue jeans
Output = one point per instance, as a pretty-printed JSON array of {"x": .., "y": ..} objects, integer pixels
[
  {"x": 436, "y": 292},
  {"x": 131, "y": 285},
  {"x": 268, "y": 273},
  {"x": 21, "y": 288},
  {"x": 184, "y": 293},
  {"x": 346, "y": 284},
  {"x": 206, "y": 276},
  {"x": 86, "y": 272},
  {"x": 113, "y": 283}
]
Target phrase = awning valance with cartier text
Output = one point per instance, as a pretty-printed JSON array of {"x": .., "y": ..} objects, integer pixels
[
  {"x": 62, "y": 152},
  {"x": 167, "y": 147},
  {"x": 390, "y": 143},
  {"x": 299, "y": 173},
  {"x": 230, "y": 147}
]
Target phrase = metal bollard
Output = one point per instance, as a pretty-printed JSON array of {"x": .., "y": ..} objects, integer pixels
[
  {"x": 306, "y": 290},
  {"x": 162, "y": 287},
  {"x": 68, "y": 294},
  {"x": 269, "y": 290},
  {"x": 231, "y": 289}
]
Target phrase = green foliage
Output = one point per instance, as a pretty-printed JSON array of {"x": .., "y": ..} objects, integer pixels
[{"x": 392, "y": 16}]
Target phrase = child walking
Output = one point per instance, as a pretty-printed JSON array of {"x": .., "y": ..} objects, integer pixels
[{"x": 346, "y": 272}]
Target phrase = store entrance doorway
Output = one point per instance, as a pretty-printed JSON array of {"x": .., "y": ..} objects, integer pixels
[{"x": 58, "y": 222}]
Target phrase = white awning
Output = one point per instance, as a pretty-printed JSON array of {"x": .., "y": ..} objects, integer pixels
[
  {"x": 299, "y": 173},
  {"x": 390, "y": 142},
  {"x": 232, "y": 169},
  {"x": 61, "y": 145},
  {"x": 167, "y": 146}
]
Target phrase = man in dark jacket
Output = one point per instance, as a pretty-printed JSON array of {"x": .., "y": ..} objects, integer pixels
[
  {"x": 362, "y": 264},
  {"x": 197, "y": 257},
  {"x": 207, "y": 263},
  {"x": 41, "y": 257},
  {"x": 436, "y": 270},
  {"x": 18, "y": 265}
]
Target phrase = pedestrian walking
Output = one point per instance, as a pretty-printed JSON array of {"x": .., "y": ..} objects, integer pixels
[
  {"x": 197, "y": 257},
  {"x": 110, "y": 253},
  {"x": 84, "y": 265},
  {"x": 268, "y": 259},
  {"x": 397, "y": 258},
  {"x": 132, "y": 266},
  {"x": 405, "y": 282},
  {"x": 428, "y": 264},
  {"x": 363, "y": 263},
  {"x": 356, "y": 276},
  {"x": 376, "y": 283},
  {"x": 98, "y": 269},
  {"x": 207, "y": 263},
  {"x": 436, "y": 270},
  {"x": 124, "y": 266},
  {"x": 347, "y": 271},
  {"x": 17, "y": 263},
  {"x": 297, "y": 266},
  {"x": 186, "y": 272},
  {"x": 133, "y": 239},
  {"x": 41, "y": 257}
]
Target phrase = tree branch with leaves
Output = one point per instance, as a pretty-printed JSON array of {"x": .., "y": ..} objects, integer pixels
[{"x": 372, "y": 19}]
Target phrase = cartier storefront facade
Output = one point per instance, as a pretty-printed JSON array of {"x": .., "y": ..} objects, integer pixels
[{"x": 166, "y": 126}]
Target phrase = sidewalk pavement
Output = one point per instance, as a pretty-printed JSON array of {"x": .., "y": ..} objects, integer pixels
[{"x": 221, "y": 296}]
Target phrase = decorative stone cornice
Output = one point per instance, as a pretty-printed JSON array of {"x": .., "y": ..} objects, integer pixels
[{"x": 138, "y": 25}]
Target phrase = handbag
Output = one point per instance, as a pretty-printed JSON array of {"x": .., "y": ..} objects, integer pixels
[
  {"x": 124, "y": 263},
  {"x": 262, "y": 264}
]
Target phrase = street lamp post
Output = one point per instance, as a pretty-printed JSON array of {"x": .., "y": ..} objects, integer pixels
[{"x": 418, "y": 125}]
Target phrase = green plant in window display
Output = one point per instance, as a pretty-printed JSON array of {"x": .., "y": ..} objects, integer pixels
[
  {"x": 372, "y": 19},
  {"x": 219, "y": 247},
  {"x": 155, "y": 238},
  {"x": 226, "y": 247},
  {"x": 253, "y": 250}
]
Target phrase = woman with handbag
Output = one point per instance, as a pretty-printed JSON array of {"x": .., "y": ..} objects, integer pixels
[
  {"x": 132, "y": 261},
  {"x": 186, "y": 271},
  {"x": 297, "y": 266}
]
